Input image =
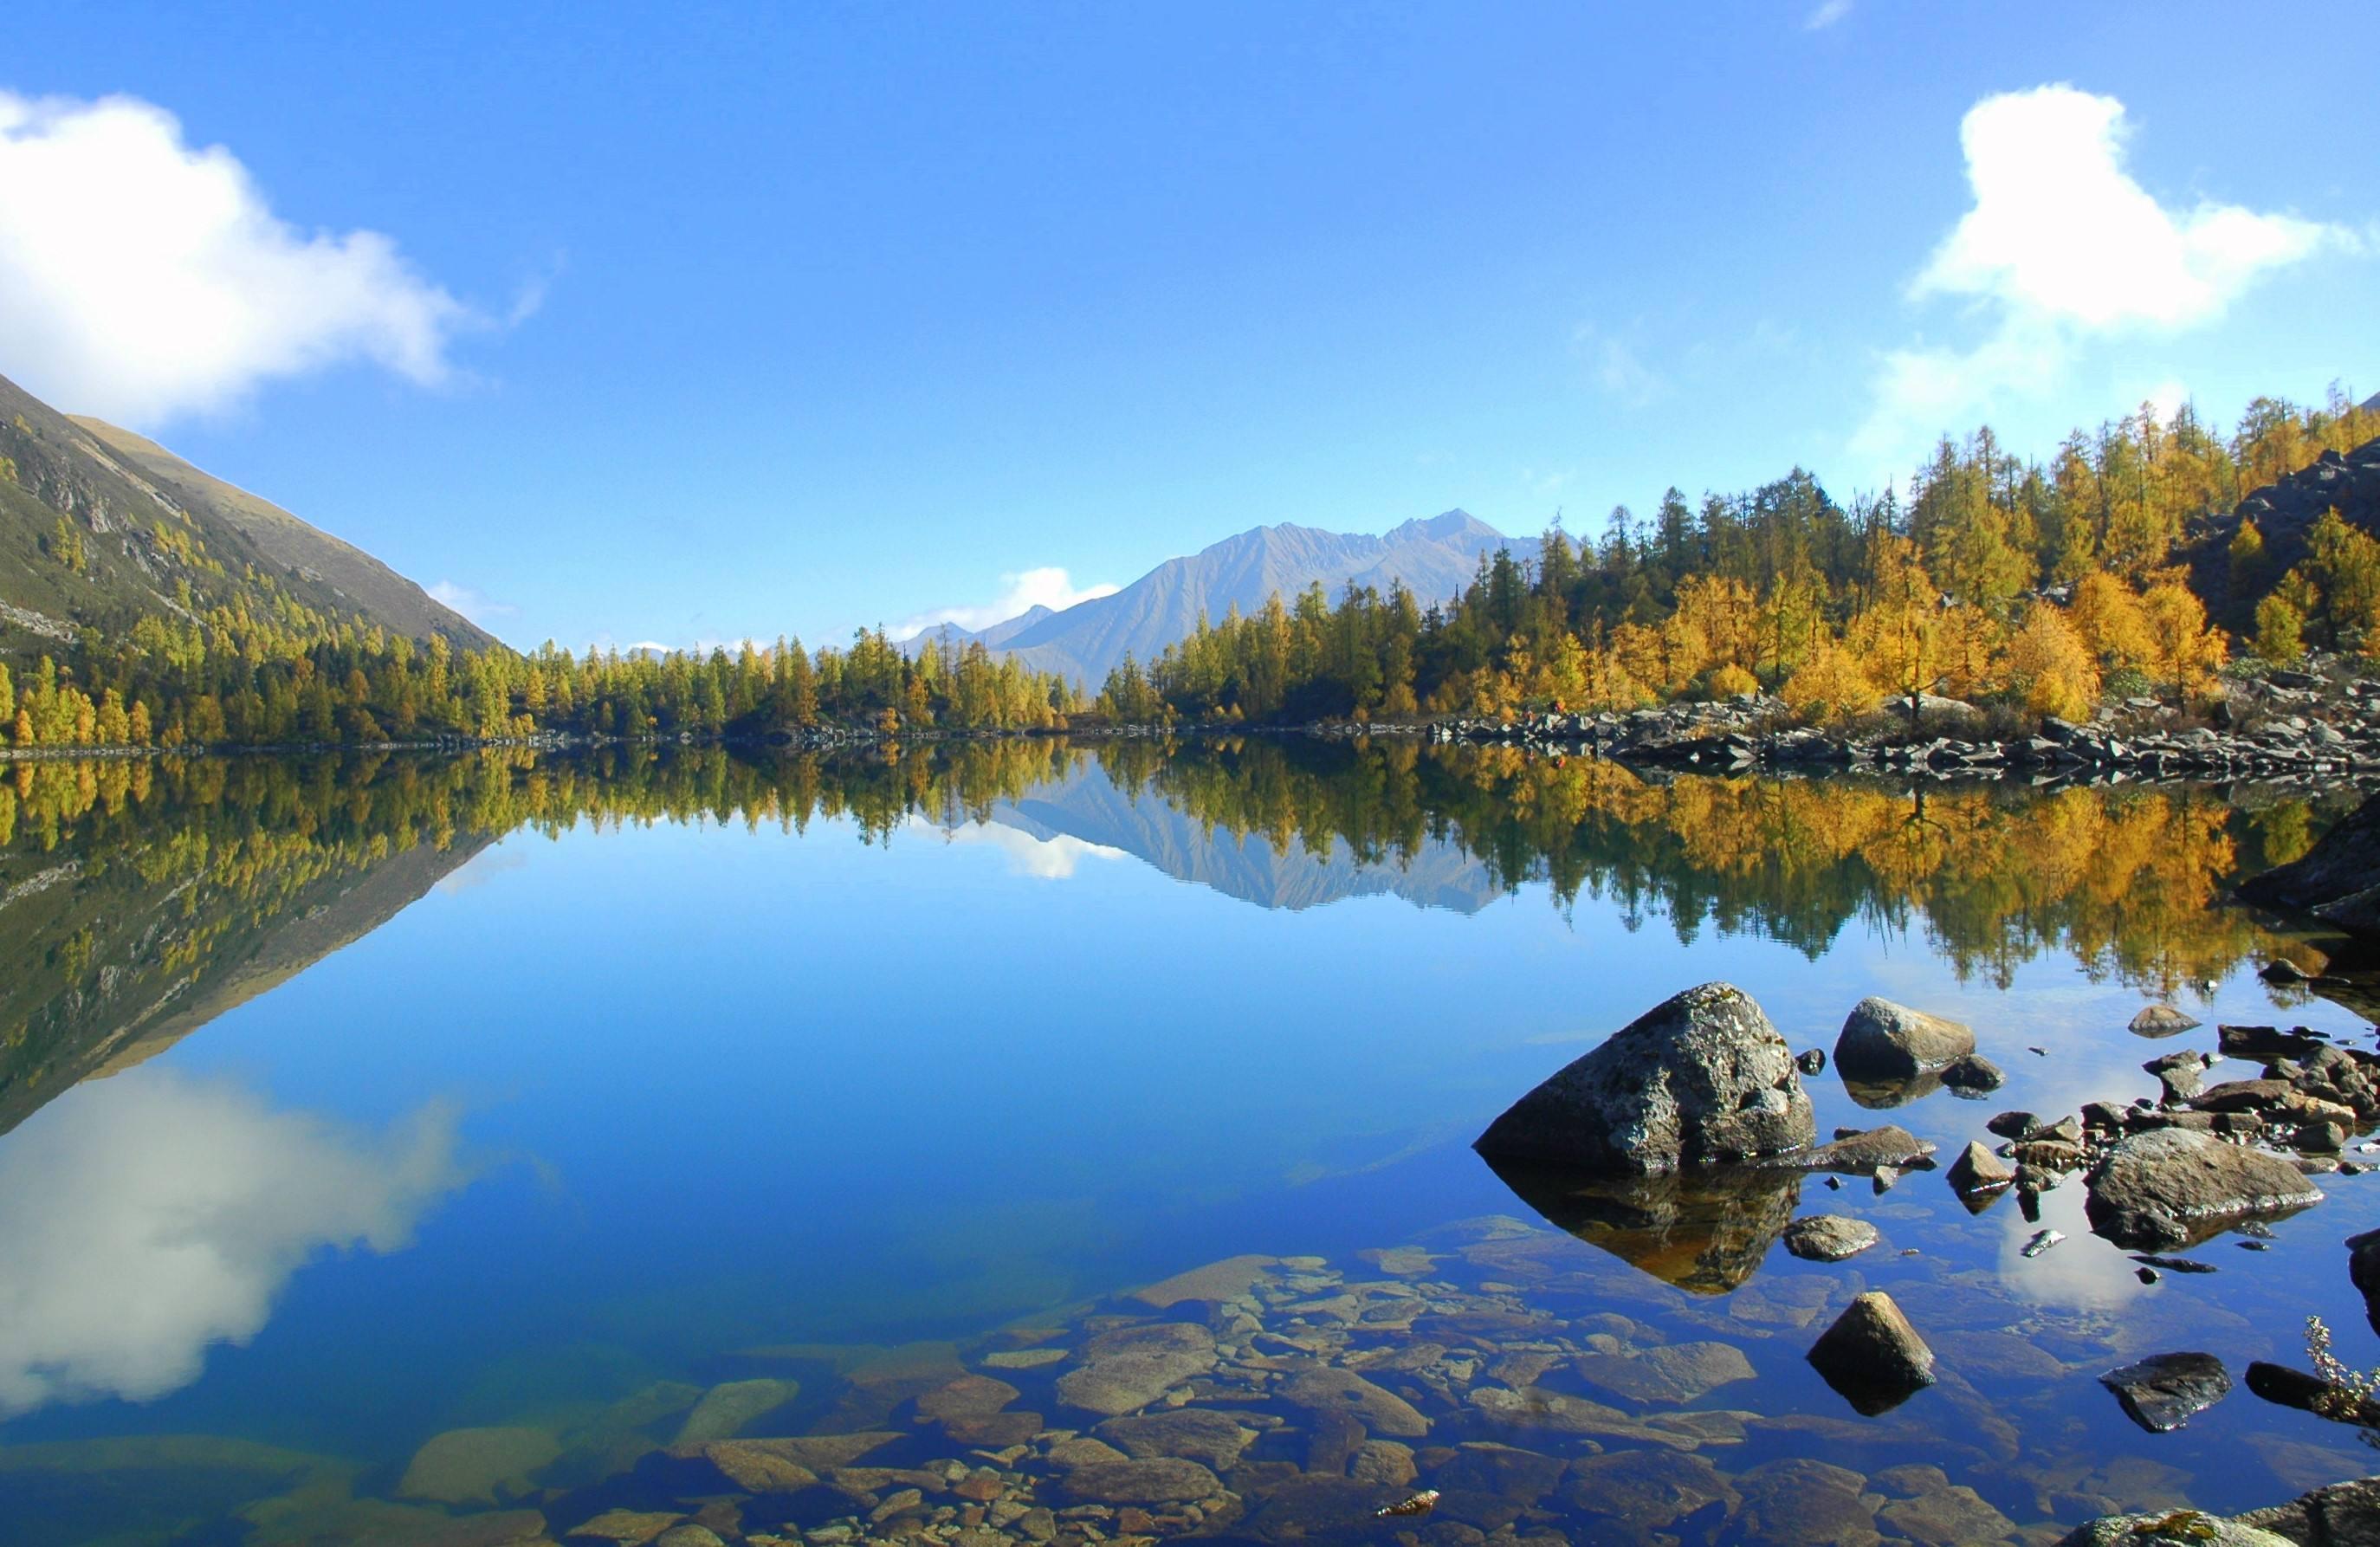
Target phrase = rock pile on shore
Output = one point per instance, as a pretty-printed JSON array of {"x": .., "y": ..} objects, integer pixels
[{"x": 2281, "y": 724}]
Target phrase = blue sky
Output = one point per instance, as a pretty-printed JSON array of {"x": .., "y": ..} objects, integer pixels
[{"x": 686, "y": 324}]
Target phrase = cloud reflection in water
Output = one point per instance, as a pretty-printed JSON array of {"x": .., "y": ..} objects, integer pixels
[{"x": 149, "y": 1215}]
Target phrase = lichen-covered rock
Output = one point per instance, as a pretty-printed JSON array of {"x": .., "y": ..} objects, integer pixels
[
  {"x": 2174, "y": 1527},
  {"x": 2172, "y": 1187},
  {"x": 1701, "y": 1079},
  {"x": 1881, "y": 1041}
]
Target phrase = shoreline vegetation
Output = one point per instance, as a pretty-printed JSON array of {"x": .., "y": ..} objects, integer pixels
[{"x": 2032, "y": 591}]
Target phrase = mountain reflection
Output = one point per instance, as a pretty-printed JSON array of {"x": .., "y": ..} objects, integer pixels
[
  {"x": 146, "y": 1217},
  {"x": 139, "y": 899}
]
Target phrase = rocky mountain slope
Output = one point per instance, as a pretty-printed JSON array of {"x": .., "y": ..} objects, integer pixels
[
  {"x": 99, "y": 526},
  {"x": 1434, "y": 559},
  {"x": 2284, "y": 513}
]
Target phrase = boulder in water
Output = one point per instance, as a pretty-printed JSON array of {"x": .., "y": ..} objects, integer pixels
[
  {"x": 1701, "y": 1079},
  {"x": 1882, "y": 1043},
  {"x": 2173, "y": 1187}
]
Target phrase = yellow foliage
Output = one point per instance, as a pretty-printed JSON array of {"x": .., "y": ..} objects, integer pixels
[
  {"x": 2050, "y": 665},
  {"x": 1831, "y": 685}
]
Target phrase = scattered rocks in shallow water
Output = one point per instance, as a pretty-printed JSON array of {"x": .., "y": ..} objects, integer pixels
[
  {"x": 1811, "y": 1061},
  {"x": 1830, "y": 1237},
  {"x": 477, "y": 1466},
  {"x": 1129, "y": 1369},
  {"x": 2160, "y": 1020},
  {"x": 2171, "y": 1187},
  {"x": 2261, "y": 1044},
  {"x": 1882, "y": 1041},
  {"x": 1872, "y": 1357},
  {"x": 1977, "y": 1173},
  {"x": 1702, "y": 1078},
  {"x": 2161, "y": 1393},
  {"x": 725, "y": 1409}
]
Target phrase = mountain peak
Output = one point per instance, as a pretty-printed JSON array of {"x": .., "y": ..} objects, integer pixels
[{"x": 1457, "y": 522}]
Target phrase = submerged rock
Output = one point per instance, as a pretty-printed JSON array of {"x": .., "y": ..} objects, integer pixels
[
  {"x": 1160, "y": 1480},
  {"x": 1646, "y": 1490},
  {"x": 1800, "y": 1504},
  {"x": 477, "y": 1466},
  {"x": 1701, "y": 1079},
  {"x": 1322, "y": 1388},
  {"x": 2172, "y": 1187},
  {"x": 1671, "y": 1376},
  {"x": 1194, "y": 1434},
  {"x": 1883, "y": 1042},
  {"x": 1830, "y": 1237},
  {"x": 725, "y": 1409},
  {"x": 1872, "y": 1357},
  {"x": 2162, "y": 1392},
  {"x": 1132, "y": 1367}
]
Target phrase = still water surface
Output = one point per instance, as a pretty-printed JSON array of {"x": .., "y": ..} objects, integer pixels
[{"x": 350, "y": 1104}]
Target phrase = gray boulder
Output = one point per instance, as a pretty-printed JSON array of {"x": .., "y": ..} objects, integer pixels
[
  {"x": 1701, "y": 1079},
  {"x": 2174, "y": 1187},
  {"x": 1885, "y": 1042}
]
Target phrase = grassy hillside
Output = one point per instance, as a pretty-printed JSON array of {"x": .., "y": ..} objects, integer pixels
[{"x": 99, "y": 528}]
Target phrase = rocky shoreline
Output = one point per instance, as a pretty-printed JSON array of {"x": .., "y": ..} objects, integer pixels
[{"x": 2276, "y": 725}]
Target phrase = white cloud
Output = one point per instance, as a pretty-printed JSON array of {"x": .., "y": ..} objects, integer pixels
[
  {"x": 1051, "y": 858},
  {"x": 1616, "y": 368},
  {"x": 142, "y": 277},
  {"x": 1050, "y": 587},
  {"x": 1827, "y": 15},
  {"x": 147, "y": 1216},
  {"x": 477, "y": 606},
  {"x": 2063, "y": 245}
]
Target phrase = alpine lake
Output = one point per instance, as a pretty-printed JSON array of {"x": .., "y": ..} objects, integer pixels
[{"x": 1028, "y": 1141}]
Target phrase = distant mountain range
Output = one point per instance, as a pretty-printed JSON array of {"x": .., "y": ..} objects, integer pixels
[
  {"x": 145, "y": 519},
  {"x": 1435, "y": 558}
]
